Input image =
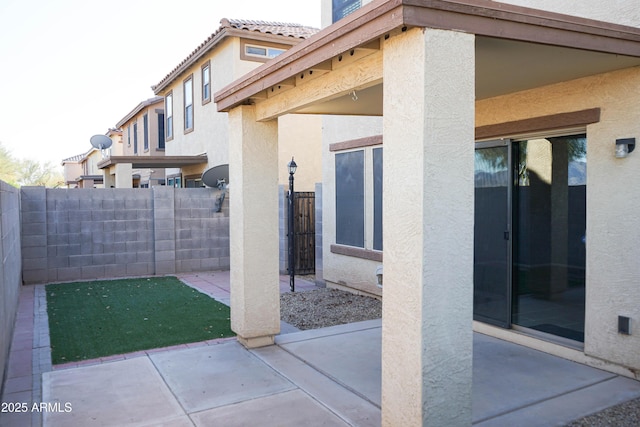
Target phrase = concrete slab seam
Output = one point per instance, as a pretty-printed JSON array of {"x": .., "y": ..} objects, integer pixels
[
  {"x": 546, "y": 399},
  {"x": 310, "y": 394}
]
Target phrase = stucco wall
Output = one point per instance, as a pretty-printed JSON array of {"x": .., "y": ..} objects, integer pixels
[
  {"x": 300, "y": 136},
  {"x": 340, "y": 270},
  {"x": 10, "y": 279},
  {"x": 211, "y": 128},
  {"x": 90, "y": 234},
  {"x": 210, "y": 132},
  {"x": 613, "y": 200},
  {"x": 624, "y": 12}
]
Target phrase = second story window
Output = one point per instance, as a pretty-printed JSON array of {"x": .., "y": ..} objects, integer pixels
[
  {"x": 161, "y": 131},
  {"x": 145, "y": 121},
  {"x": 188, "y": 104},
  {"x": 206, "y": 83},
  {"x": 168, "y": 104},
  {"x": 135, "y": 138},
  {"x": 341, "y": 8},
  {"x": 262, "y": 51}
]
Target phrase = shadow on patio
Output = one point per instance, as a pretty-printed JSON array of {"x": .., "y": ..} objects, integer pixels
[{"x": 328, "y": 376}]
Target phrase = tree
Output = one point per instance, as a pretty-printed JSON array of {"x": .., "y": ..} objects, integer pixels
[
  {"x": 27, "y": 172},
  {"x": 31, "y": 172},
  {"x": 7, "y": 166}
]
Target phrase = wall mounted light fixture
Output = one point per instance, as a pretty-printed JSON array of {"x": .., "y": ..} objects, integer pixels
[{"x": 624, "y": 146}]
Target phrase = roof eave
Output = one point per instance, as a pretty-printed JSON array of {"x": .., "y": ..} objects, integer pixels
[
  {"x": 378, "y": 17},
  {"x": 142, "y": 162},
  {"x": 144, "y": 104},
  {"x": 215, "y": 40},
  {"x": 480, "y": 17}
]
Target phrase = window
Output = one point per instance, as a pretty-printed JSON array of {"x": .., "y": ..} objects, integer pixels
[
  {"x": 206, "y": 83},
  {"x": 350, "y": 198},
  {"x": 262, "y": 51},
  {"x": 193, "y": 182},
  {"x": 129, "y": 136},
  {"x": 188, "y": 104},
  {"x": 174, "y": 181},
  {"x": 342, "y": 8},
  {"x": 377, "y": 199},
  {"x": 145, "y": 121},
  {"x": 135, "y": 138},
  {"x": 161, "y": 131},
  {"x": 358, "y": 189},
  {"x": 168, "y": 104}
]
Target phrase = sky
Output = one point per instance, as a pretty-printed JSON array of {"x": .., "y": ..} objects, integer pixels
[{"x": 70, "y": 69}]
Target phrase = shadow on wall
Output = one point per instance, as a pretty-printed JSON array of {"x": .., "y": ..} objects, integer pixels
[
  {"x": 10, "y": 255},
  {"x": 84, "y": 234}
]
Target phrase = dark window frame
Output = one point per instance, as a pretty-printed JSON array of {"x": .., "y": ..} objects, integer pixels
[
  {"x": 135, "y": 138},
  {"x": 205, "y": 75},
  {"x": 350, "y": 189},
  {"x": 188, "y": 109},
  {"x": 161, "y": 135},
  {"x": 168, "y": 106},
  {"x": 145, "y": 127}
]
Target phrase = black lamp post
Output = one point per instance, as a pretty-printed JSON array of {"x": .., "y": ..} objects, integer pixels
[{"x": 291, "y": 166}]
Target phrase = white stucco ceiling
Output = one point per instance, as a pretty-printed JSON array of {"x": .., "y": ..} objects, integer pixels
[{"x": 502, "y": 67}]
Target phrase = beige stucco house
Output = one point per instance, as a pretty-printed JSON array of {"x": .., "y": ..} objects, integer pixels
[
  {"x": 82, "y": 171},
  {"x": 508, "y": 205},
  {"x": 141, "y": 143},
  {"x": 193, "y": 125}
]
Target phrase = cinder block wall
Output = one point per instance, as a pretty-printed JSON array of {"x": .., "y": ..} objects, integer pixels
[
  {"x": 11, "y": 267},
  {"x": 202, "y": 235},
  {"x": 82, "y": 234}
]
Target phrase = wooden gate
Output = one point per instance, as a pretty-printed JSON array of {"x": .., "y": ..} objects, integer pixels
[{"x": 304, "y": 224}]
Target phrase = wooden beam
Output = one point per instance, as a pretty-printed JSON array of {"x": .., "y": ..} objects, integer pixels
[
  {"x": 314, "y": 72},
  {"x": 355, "y": 54},
  {"x": 284, "y": 85},
  {"x": 539, "y": 124},
  {"x": 362, "y": 74}
]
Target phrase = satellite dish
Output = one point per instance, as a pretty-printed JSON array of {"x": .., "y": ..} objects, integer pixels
[
  {"x": 217, "y": 176},
  {"x": 101, "y": 142}
]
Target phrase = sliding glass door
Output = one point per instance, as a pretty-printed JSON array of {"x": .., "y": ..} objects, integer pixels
[
  {"x": 530, "y": 221},
  {"x": 549, "y": 241},
  {"x": 491, "y": 302}
]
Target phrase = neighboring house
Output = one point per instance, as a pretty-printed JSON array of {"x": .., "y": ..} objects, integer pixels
[
  {"x": 508, "y": 205},
  {"x": 117, "y": 148},
  {"x": 141, "y": 143},
  {"x": 194, "y": 127},
  {"x": 71, "y": 170},
  {"x": 81, "y": 171}
]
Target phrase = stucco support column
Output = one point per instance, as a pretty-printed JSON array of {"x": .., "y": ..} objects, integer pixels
[
  {"x": 428, "y": 228},
  {"x": 124, "y": 178},
  {"x": 108, "y": 178},
  {"x": 253, "y": 216}
]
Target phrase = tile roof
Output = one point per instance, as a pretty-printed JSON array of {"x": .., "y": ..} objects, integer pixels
[
  {"x": 289, "y": 30},
  {"x": 77, "y": 157},
  {"x": 277, "y": 28}
]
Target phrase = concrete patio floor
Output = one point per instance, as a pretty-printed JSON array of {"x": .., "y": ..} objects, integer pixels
[{"x": 328, "y": 377}]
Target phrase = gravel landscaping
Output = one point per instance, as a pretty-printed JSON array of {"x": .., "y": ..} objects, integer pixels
[
  {"x": 327, "y": 307},
  {"x": 624, "y": 415}
]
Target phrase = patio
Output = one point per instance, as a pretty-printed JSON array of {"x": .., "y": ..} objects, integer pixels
[{"x": 329, "y": 376}]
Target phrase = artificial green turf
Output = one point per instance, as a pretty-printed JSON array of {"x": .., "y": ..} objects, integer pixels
[{"x": 88, "y": 320}]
